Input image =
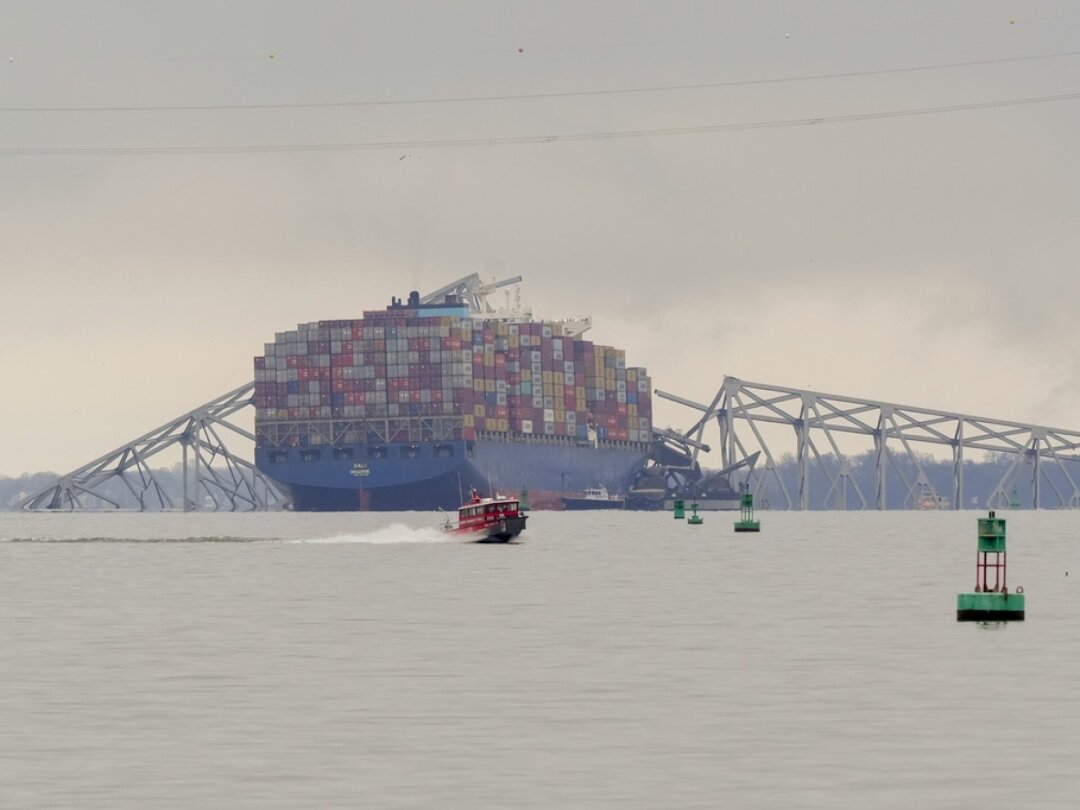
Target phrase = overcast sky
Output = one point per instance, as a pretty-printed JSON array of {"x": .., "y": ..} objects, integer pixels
[{"x": 929, "y": 260}]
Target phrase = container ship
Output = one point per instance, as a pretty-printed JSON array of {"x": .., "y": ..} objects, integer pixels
[{"x": 414, "y": 406}]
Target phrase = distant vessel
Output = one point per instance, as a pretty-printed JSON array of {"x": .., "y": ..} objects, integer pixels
[
  {"x": 928, "y": 500},
  {"x": 593, "y": 498},
  {"x": 488, "y": 520}
]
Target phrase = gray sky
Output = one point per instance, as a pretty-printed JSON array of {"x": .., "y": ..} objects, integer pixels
[{"x": 929, "y": 260}]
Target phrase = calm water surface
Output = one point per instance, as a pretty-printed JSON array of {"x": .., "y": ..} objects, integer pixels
[{"x": 608, "y": 660}]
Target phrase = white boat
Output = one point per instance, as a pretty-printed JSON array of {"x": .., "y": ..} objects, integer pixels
[{"x": 593, "y": 498}]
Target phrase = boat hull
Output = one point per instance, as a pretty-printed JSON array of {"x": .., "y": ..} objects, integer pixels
[
  {"x": 502, "y": 532},
  {"x": 576, "y": 504}
]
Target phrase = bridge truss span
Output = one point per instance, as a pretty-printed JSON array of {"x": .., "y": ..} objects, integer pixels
[
  {"x": 212, "y": 476},
  {"x": 817, "y": 424}
]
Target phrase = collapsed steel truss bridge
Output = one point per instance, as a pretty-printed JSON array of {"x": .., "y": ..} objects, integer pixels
[
  {"x": 743, "y": 412},
  {"x": 213, "y": 477}
]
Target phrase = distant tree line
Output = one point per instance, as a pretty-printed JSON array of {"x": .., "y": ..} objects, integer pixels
[
  {"x": 981, "y": 479},
  {"x": 14, "y": 490}
]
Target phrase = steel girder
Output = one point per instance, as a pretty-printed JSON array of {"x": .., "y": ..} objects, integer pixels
[
  {"x": 213, "y": 477},
  {"x": 819, "y": 418}
]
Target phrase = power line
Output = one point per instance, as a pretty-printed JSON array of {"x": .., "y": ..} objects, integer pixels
[
  {"x": 532, "y": 96},
  {"x": 532, "y": 139}
]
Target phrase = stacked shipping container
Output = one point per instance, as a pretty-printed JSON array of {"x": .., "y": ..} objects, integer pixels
[{"x": 403, "y": 375}]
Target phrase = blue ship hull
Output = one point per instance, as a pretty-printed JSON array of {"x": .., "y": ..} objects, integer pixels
[{"x": 422, "y": 477}]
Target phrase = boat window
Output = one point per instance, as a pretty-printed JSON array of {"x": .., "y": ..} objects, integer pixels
[
  {"x": 278, "y": 456},
  {"x": 444, "y": 450},
  {"x": 310, "y": 454},
  {"x": 376, "y": 452},
  {"x": 470, "y": 449},
  {"x": 343, "y": 453}
]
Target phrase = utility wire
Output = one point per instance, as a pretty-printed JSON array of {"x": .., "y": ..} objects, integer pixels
[
  {"x": 532, "y": 139},
  {"x": 530, "y": 96}
]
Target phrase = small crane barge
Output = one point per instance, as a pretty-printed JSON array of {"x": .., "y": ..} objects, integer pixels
[{"x": 498, "y": 519}]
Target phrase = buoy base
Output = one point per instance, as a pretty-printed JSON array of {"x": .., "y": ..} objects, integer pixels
[
  {"x": 990, "y": 607},
  {"x": 695, "y": 520},
  {"x": 747, "y": 526}
]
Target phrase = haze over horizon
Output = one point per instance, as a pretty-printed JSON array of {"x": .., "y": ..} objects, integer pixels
[{"x": 859, "y": 198}]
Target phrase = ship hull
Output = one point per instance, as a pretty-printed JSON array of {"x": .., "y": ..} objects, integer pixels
[
  {"x": 427, "y": 477},
  {"x": 576, "y": 504}
]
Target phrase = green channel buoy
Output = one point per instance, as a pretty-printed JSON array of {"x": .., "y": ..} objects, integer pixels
[
  {"x": 680, "y": 509},
  {"x": 990, "y": 604},
  {"x": 747, "y": 523},
  {"x": 695, "y": 519},
  {"x": 523, "y": 500}
]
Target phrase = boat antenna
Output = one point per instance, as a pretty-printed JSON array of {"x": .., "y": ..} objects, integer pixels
[{"x": 460, "y": 496}]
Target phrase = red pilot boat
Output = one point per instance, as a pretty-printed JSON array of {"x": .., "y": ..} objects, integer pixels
[{"x": 488, "y": 520}]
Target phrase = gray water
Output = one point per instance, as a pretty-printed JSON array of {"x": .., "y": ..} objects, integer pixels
[{"x": 607, "y": 660}]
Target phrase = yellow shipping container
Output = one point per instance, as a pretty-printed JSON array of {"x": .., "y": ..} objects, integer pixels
[
  {"x": 547, "y": 378},
  {"x": 631, "y": 375},
  {"x": 479, "y": 410},
  {"x": 526, "y": 375},
  {"x": 580, "y": 405},
  {"x": 489, "y": 386},
  {"x": 560, "y": 415},
  {"x": 478, "y": 385},
  {"x": 631, "y": 409},
  {"x": 504, "y": 425},
  {"x": 579, "y": 391},
  {"x": 468, "y": 421},
  {"x": 514, "y": 341}
]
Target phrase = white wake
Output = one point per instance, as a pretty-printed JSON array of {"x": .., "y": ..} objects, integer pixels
[{"x": 387, "y": 535}]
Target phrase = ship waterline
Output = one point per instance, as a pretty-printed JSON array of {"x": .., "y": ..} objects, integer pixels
[{"x": 410, "y": 476}]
